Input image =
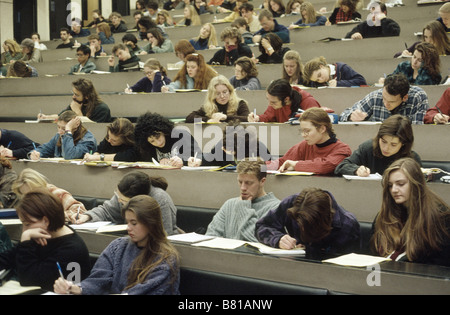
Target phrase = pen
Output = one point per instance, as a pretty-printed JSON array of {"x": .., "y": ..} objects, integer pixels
[
  {"x": 287, "y": 232},
  {"x": 78, "y": 211},
  {"x": 439, "y": 110},
  {"x": 34, "y": 146},
  {"x": 60, "y": 270},
  {"x": 406, "y": 46},
  {"x": 11, "y": 142}
]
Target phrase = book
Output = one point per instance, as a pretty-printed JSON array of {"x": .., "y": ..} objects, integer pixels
[{"x": 189, "y": 238}]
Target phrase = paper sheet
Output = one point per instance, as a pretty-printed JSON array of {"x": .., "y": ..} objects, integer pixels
[{"x": 356, "y": 260}]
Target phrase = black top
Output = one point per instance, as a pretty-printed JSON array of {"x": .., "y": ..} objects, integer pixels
[
  {"x": 122, "y": 152},
  {"x": 100, "y": 114},
  {"x": 20, "y": 144}
]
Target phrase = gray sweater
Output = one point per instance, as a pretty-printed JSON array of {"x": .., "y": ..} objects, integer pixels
[
  {"x": 236, "y": 218},
  {"x": 110, "y": 210}
]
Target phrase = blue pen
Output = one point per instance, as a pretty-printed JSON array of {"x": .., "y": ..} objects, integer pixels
[
  {"x": 60, "y": 270},
  {"x": 34, "y": 146},
  {"x": 9, "y": 144}
]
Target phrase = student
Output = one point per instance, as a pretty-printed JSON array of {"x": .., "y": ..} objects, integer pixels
[
  {"x": 247, "y": 12},
  {"x": 20, "y": 69},
  {"x": 164, "y": 19},
  {"x": 117, "y": 24},
  {"x": 293, "y": 67},
  {"x": 127, "y": 61},
  {"x": 320, "y": 151},
  {"x": 132, "y": 184},
  {"x": 393, "y": 141},
  {"x": 413, "y": 223},
  {"x": 157, "y": 43},
  {"x": 157, "y": 138},
  {"x": 195, "y": 74},
  {"x": 312, "y": 219},
  {"x": 234, "y": 14},
  {"x": 45, "y": 240},
  {"x": 233, "y": 48},
  {"x": 396, "y": 97},
  {"x": 269, "y": 24},
  {"x": 182, "y": 49},
  {"x": 155, "y": 78},
  {"x": 191, "y": 16},
  {"x": 245, "y": 75},
  {"x": 131, "y": 41},
  {"x": 30, "y": 53},
  {"x": 85, "y": 102},
  {"x": 444, "y": 16},
  {"x": 386, "y": 28},
  {"x": 309, "y": 17},
  {"x": 37, "y": 41},
  {"x": 320, "y": 73},
  {"x": 64, "y": 34},
  {"x": 206, "y": 39},
  {"x": 238, "y": 143},
  {"x": 344, "y": 12},
  {"x": 293, "y": 7},
  {"x": 145, "y": 262},
  {"x": 237, "y": 217},
  {"x": 84, "y": 64},
  {"x": 277, "y": 8},
  {"x": 424, "y": 67},
  {"x": 30, "y": 179},
  {"x": 71, "y": 141},
  {"x": 12, "y": 51},
  {"x": 439, "y": 114},
  {"x": 97, "y": 18},
  {"x": 221, "y": 104},
  {"x": 284, "y": 102},
  {"x": 271, "y": 48},
  {"x": 117, "y": 144},
  {"x": 95, "y": 44},
  {"x": 433, "y": 33},
  {"x": 14, "y": 144},
  {"x": 105, "y": 34},
  {"x": 152, "y": 10},
  {"x": 202, "y": 7},
  {"x": 241, "y": 25},
  {"x": 77, "y": 30}
]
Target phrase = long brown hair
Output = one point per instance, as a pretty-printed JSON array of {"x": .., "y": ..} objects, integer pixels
[
  {"x": 158, "y": 248},
  {"x": 123, "y": 128},
  {"x": 439, "y": 37},
  {"x": 78, "y": 134},
  {"x": 90, "y": 95},
  {"x": 204, "y": 73},
  {"x": 430, "y": 57},
  {"x": 419, "y": 227}
]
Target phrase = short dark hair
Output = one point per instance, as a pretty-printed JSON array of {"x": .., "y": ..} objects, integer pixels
[
  {"x": 395, "y": 126},
  {"x": 280, "y": 88},
  {"x": 247, "y": 6},
  {"x": 64, "y": 29},
  {"x": 134, "y": 183},
  {"x": 129, "y": 38},
  {"x": 85, "y": 50},
  {"x": 396, "y": 84}
]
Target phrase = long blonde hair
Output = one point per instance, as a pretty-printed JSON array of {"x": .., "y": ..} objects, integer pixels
[
  {"x": 29, "y": 177},
  {"x": 311, "y": 14},
  {"x": 210, "y": 106}
]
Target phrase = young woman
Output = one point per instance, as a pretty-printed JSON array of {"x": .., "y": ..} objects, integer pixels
[
  {"x": 143, "y": 263},
  {"x": 45, "y": 240},
  {"x": 37, "y": 41},
  {"x": 155, "y": 78},
  {"x": 105, "y": 34},
  {"x": 13, "y": 51},
  {"x": 191, "y": 16},
  {"x": 393, "y": 141},
  {"x": 346, "y": 11},
  {"x": 292, "y": 67},
  {"x": 284, "y": 102},
  {"x": 221, "y": 104},
  {"x": 157, "y": 43},
  {"x": 157, "y": 138},
  {"x": 318, "y": 72},
  {"x": 271, "y": 48},
  {"x": 72, "y": 141},
  {"x": 414, "y": 222},
  {"x": 309, "y": 17},
  {"x": 433, "y": 33},
  {"x": 29, "y": 52},
  {"x": 85, "y": 102},
  {"x": 117, "y": 24},
  {"x": 245, "y": 75},
  {"x": 320, "y": 151},
  {"x": 182, "y": 49},
  {"x": 30, "y": 179},
  {"x": 207, "y": 38},
  {"x": 97, "y": 18},
  {"x": 145, "y": 24},
  {"x": 312, "y": 219},
  {"x": 164, "y": 19},
  {"x": 117, "y": 144},
  {"x": 20, "y": 69},
  {"x": 277, "y": 8},
  {"x": 439, "y": 114},
  {"x": 424, "y": 67},
  {"x": 233, "y": 48},
  {"x": 195, "y": 74},
  {"x": 293, "y": 7}
]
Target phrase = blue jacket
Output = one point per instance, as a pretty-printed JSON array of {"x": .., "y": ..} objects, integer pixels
[
  {"x": 68, "y": 149},
  {"x": 281, "y": 30}
]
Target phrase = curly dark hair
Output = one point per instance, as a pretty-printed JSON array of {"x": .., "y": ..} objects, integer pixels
[{"x": 151, "y": 124}]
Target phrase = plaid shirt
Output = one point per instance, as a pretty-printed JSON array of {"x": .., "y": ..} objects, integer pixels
[{"x": 414, "y": 108}]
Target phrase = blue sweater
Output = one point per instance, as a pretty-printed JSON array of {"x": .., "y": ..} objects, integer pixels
[
  {"x": 68, "y": 149},
  {"x": 110, "y": 273},
  {"x": 147, "y": 86}
]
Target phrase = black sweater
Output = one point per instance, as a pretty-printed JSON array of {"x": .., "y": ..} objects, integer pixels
[{"x": 20, "y": 144}]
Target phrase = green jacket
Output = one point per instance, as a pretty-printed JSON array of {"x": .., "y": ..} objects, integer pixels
[{"x": 88, "y": 67}]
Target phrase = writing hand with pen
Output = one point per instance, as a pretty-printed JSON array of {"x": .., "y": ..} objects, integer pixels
[
  {"x": 363, "y": 171},
  {"x": 288, "y": 242}
]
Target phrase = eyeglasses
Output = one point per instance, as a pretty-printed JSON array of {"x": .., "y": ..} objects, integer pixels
[{"x": 224, "y": 93}]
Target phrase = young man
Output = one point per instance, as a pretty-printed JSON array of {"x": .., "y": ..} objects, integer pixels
[
  {"x": 387, "y": 27},
  {"x": 396, "y": 97},
  {"x": 237, "y": 217},
  {"x": 64, "y": 34},
  {"x": 78, "y": 31},
  {"x": 84, "y": 64},
  {"x": 117, "y": 25},
  {"x": 127, "y": 61},
  {"x": 247, "y": 12},
  {"x": 95, "y": 44},
  {"x": 269, "y": 24},
  {"x": 132, "y": 184}
]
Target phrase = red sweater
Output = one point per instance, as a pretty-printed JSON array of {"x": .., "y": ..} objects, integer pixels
[
  {"x": 443, "y": 104},
  {"x": 284, "y": 113},
  {"x": 312, "y": 158}
]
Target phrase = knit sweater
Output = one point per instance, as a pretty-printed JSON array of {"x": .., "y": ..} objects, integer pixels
[
  {"x": 318, "y": 158},
  {"x": 110, "y": 272},
  {"x": 236, "y": 218}
]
